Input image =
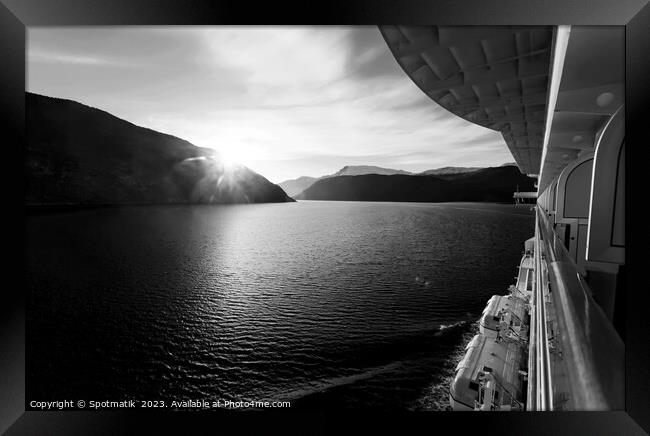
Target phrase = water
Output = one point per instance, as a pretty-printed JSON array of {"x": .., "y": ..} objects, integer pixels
[{"x": 325, "y": 304}]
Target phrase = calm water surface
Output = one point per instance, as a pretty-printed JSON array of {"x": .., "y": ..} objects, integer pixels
[{"x": 325, "y": 304}]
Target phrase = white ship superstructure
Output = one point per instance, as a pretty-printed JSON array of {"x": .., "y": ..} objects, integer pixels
[{"x": 556, "y": 93}]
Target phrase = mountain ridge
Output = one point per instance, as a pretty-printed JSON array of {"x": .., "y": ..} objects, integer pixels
[
  {"x": 448, "y": 170},
  {"x": 294, "y": 187},
  {"x": 78, "y": 154},
  {"x": 494, "y": 184},
  {"x": 359, "y": 170}
]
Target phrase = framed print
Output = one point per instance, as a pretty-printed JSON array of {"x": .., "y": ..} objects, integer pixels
[{"x": 359, "y": 209}]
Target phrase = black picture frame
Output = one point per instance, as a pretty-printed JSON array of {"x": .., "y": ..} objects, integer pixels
[{"x": 16, "y": 15}]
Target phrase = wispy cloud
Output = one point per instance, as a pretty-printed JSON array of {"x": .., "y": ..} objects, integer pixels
[
  {"x": 285, "y": 101},
  {"x": 56, "y": 58}
]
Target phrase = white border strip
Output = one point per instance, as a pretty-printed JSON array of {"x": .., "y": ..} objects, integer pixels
[{"x": 560, "y": 45}]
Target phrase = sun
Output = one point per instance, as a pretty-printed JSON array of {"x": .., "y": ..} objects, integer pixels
[{"x": 235, "y": 156}]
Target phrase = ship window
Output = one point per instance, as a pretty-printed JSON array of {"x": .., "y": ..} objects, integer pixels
[
  {"x": 496, "y": 395},
  {"x": 487, "y": 369},
  {"x": 496, "y": 318},
  {"x": 473, "y": 386}
]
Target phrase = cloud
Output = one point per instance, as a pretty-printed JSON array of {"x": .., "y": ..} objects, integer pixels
[
  {"x": 368, "y": 56},
  {"x": 285, "y": 101},
  {"x": 36, "y": 56}
]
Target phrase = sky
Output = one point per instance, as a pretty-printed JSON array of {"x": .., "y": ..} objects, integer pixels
[{"x": 284, "y": 101}]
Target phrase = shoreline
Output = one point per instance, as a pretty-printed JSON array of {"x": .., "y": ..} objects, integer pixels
[{"x": 45, "y": 208}]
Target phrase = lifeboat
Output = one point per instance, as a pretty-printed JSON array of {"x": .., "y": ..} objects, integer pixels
[
  {"x": 503, "y": 317},
  {"x": 525, "y": 278},
  {"x": 489, "y": 376}
]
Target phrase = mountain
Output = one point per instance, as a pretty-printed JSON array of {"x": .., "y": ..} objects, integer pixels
[
  {"x": 82, "y": 155},
  {"x": 448, "y": 170},
  {"x": 360, "y": 170},
  {"x": 495, "y": 184},
  {"x": 294, "y": 187}
]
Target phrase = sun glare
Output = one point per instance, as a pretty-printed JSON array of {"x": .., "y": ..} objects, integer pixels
[{"x": 234, "y": 156}]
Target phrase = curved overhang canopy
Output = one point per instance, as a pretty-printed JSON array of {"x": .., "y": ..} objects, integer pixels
[
  {"x": 549, "y": 90},
  {"x": 494, "y": 76}
]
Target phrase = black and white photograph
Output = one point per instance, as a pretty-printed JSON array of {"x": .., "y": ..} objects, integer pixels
[
  {"x": 392, "y": 218},
  {"x": 332, "y": 217}
]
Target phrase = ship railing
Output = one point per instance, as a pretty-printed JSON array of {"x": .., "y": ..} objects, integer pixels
[
  {"x": 587, "y": 370},
  {"x": 543, "y": 400}
]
